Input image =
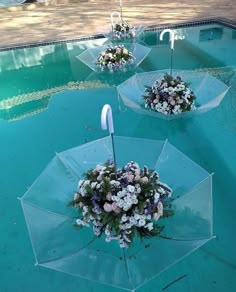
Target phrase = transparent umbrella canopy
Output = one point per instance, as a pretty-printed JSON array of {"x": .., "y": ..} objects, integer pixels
[
  {"x": 89, "y": 56},
  {"x": 120, "y": 30},
  {"x": 209, "y": 91},
  {"x": 58, "y": 245}
]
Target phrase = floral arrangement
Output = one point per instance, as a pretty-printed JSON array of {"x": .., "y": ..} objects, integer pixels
[
  {"x": 123, "y": 30},
  {"x": 115, "y": 58},
  {"x": 122, "y": 203},
  {"x": 169, "y": 96}
]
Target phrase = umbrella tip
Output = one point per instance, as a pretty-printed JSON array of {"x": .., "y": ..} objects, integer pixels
[
  {"x": 18, "y": 198},
  {"x": 36, "y": 264}
]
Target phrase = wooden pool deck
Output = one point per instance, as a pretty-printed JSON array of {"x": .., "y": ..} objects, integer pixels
[{"x": 64, "y": 19}]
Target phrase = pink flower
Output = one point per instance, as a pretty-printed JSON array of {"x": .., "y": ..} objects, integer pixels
[
  {"x": 115, "y": 208},
  {"x": 130, "y": 178},
  {"x": 160, "y": 208},
  {"x": 118, "y": 51},
  {"x": 156, "y": 216},
  {"x": 144, "y": 179},
  {"x": 155, "y": 101},
  {"x": 107, "y": 207}
]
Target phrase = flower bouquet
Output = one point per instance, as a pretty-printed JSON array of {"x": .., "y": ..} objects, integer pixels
[
  {"x": 169, "y": 95},
  {"x": 123, "y": 30},
  {"x": 122, "y": 203},
  {"x": 115, "y": 58}
]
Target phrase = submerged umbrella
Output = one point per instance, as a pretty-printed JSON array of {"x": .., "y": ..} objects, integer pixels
[
  {"x": 59, "y": 246},
  {"x": 208, "y": 90}
]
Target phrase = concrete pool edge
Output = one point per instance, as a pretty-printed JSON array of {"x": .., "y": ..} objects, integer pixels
[{"x": 220, "y": 21}]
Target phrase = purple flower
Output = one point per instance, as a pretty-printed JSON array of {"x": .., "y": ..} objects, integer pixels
[{"x": 124, "y": 182}]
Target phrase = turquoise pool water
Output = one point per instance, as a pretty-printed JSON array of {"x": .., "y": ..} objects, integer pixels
[{"x": 50, "y": 101}]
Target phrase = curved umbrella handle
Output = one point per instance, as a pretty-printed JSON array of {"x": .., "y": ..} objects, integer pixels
[
  {"x": 172, "y": 37},
  {"x": 107, "y": 115},
  {"x": 113, "y": 14}
]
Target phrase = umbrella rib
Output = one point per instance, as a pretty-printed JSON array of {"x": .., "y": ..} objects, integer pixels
[
  {"x": 66, "y": 165},
  {"x": 174, "y": 239},
  {"x": 127, "y": 270},
  {"x": 185, "y": 239},
  {"x": 44, "y": 210},
  {"x": 73, "y": 253},
  {"x": 193, "y": 188},
  {"x": 163, "y": 147}
]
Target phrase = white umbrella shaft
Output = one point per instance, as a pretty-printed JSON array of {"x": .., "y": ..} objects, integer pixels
[
  {"x": 172, "y": 44},
  {"x": 106, "y": 115}
]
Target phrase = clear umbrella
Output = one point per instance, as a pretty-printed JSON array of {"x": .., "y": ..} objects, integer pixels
[
  {"x": 121, "y": 30},
  {"x": 208, "y": 90},
  {"x": 58, "y": 245},
  {"x": 90, "y": 56}
]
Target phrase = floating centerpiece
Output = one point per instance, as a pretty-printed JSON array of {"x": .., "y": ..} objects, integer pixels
[
  {"x": 169, "y": 95},
  {"x": 114, "y": 58},
  {"x": 182, "y": 94},
  {"x": 122, "y": 201},
  {"x": 121, "y": 30}
]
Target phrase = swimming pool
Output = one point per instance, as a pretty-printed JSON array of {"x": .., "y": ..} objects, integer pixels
[{"x": 50, "y": 101}]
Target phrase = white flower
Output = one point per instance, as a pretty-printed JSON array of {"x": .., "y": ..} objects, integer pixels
[
  {"x": 135, "y": 201},
  {"x": 120, "y": 203},
  {"x": 107, "y": 232},
  {"x": 149, "y": 226},
  {"x": 93, "y": 185},
  {"x": 127, "y": 225},
  {"x": 141, "y": 222},
  {"x": 136, "y": 216},
  {"x": 80, "y": 183},
  {"x": 132, "y": 220},
  {"x": 156, "y": 197},
  {"x": 124, "y": 218},
  {"x": 139, "y": 190},
  {"x": 79, "y": 221},
  {"x": 85, "y": 209},
  {"x": 76, "y": 196},
  {"x": 114, "y": 198},
  {"x": 119, "y": 194},
  {"x": 149, "y": 217},
  {"x": 126, "y": 207},
  {"x": 128, "y": 201},
  {"x": 130, "y": 188},
  {"x": 108, "y": 238}
]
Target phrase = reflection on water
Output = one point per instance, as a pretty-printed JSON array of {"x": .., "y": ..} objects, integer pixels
[{"x": 27, "y": 104}]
